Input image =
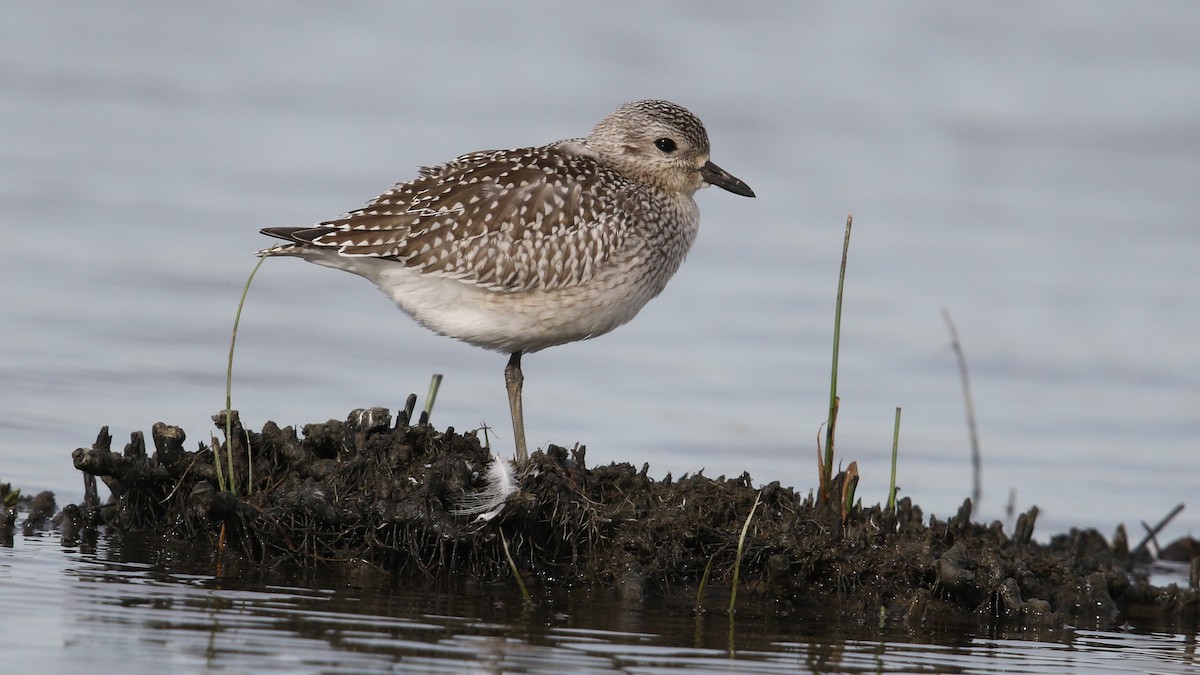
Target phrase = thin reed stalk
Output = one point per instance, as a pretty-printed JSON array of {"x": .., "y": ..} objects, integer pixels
[
  {"x": 891, "y": 502},
  {"x": 512, "y": 565},
  {"x": 232, "y": 486},
  {"x": 972, "y": 431},
  {"x": 737, "y": 563},
  {"x": 831, "y": 424}
]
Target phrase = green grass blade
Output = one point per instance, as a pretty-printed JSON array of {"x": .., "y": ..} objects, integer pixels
[
  {"x": 737, "y": 564},
  {"x": 435, "y": 383},
  {"x": 891, "y": 502},
  {"x": 704, "y": 584},
  {"x": 837, "y": 338},
  {"x": 229, "y": 382}
]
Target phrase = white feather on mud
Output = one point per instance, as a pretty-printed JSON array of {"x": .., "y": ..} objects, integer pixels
[{"x": 487, "y": 503}]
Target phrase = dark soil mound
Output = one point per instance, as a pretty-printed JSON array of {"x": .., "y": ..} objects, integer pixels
[{"x": 366, "y": 489}]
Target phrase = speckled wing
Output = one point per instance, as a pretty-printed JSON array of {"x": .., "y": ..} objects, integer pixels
[{"x": 508, "y": 220}]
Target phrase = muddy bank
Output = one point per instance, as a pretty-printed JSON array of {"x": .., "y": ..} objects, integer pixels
[{"x": 370, "y": 489}]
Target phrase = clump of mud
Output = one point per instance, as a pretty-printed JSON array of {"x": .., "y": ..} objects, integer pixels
[
  {"x": 369, "y": 490},
  {"x": 39, "y": 510}
]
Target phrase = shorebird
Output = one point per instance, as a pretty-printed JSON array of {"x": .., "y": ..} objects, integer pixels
[{"x": 519, "y": 250}]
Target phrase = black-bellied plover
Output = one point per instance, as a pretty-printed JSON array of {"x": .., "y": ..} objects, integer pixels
[{"x": 519, "y": 250}]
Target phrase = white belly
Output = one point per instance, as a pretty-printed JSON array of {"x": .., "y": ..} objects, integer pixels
[{"x": 508, "y": 321}]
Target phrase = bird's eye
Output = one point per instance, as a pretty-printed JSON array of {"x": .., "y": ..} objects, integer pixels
[{"x": 665, "y": 144}]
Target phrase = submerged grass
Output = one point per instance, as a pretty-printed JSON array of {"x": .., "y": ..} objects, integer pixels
[
  {"x": 704, "y": 584},
  {"x": 512, "y": 565}
]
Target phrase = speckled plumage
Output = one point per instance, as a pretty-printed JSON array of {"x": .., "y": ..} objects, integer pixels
[{"x": 519, "y": 250}]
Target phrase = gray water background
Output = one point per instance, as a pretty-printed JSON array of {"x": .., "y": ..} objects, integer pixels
[{"x": 1032, "y": 168}]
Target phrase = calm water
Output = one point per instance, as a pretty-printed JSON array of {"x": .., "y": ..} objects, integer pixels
[
  {"x": 1033, "y": 171},
  {"x": 116, "y": 608}
]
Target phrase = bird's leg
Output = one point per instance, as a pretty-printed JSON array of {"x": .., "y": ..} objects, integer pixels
[{"x": 513, "y": 379}]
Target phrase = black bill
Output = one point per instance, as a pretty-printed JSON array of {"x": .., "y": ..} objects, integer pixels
[{"x": 715, "y": 175}]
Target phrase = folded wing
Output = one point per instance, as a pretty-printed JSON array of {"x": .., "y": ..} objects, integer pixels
[{"x": 509, "y": 220}]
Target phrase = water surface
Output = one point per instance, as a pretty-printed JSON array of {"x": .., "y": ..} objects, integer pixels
[{"x": 118, "y": 606}]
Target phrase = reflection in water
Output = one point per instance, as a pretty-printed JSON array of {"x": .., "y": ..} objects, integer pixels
[{"x": 131, "y": 607}]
